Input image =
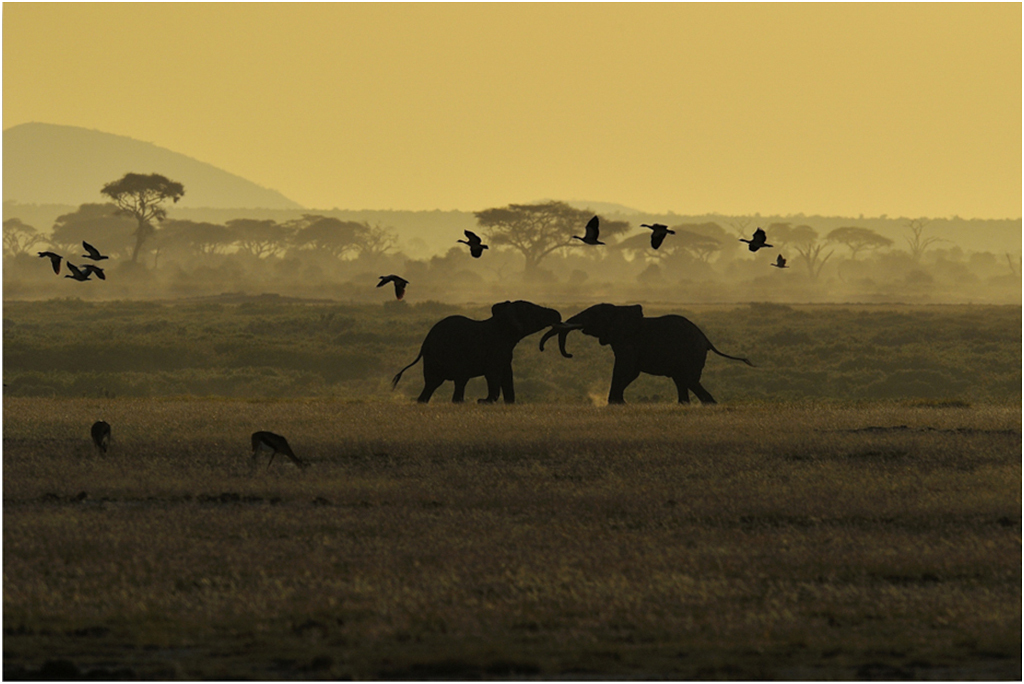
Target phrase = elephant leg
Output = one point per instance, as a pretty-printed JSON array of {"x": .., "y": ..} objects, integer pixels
[
  {"x": 459, "y": 395},
  {"x": 702, "y": 394},
  {"x": 430, "y": 385},
  {"x": 507, "y": 386},
  {"x": 682, "y": 389},
  {"x": 493, "y": 389},
  {"x": 623, "y": 374}
]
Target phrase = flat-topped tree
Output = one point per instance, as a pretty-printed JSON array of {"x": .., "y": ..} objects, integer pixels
[
  {"x": 141, "y": 196},
  {"x": 537, "y": 230}
]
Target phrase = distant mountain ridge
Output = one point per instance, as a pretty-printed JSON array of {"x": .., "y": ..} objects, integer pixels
[{"x": 51, "y": 164}]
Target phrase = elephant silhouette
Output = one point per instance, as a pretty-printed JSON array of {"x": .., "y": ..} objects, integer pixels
[
  {"x": 670, "y": 346},
  {"x": 459, "y": 348}
]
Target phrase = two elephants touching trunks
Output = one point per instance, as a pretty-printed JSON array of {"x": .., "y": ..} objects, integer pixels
[{"x": 458, "y": 348}]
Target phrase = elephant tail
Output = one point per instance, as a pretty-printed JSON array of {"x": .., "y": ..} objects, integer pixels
[
  {"x": 734, "y": 358},
  {"x": 394, "y": 380}
]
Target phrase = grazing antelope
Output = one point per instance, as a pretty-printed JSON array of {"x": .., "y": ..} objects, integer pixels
[
  {"x": 758, "y": 242},
  {"x": 54, "y": 260},
  {"x": 275, "y": 444},
  {"x": 658, "y": 236},
  {"x": 780, "y": 262},
  {"x": 93, "y": 253},
  {"x": 476, "y": 245},
  {"x": 101, "y": 435},
  {"x": 399, "y": 282},
  {"x": 590, "y": 237}
]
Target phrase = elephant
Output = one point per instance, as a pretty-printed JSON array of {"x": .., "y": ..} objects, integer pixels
[
  {"x": 458, "y": 348},
  {"x": 670, "y": 346}
]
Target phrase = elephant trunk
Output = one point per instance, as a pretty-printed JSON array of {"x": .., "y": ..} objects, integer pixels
[{"x": 562, "y": 330}]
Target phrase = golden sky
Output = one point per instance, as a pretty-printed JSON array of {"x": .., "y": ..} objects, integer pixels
[{"x": 837, "y": 109}]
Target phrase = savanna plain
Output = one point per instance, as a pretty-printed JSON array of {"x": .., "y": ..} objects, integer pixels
[{"x": 851, "y": 509}]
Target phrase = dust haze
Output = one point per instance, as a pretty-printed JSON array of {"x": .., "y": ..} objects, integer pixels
[{"x": 339, "y": 255}]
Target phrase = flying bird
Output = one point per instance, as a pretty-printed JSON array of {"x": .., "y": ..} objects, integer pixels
[
  {"x": 476, "y": 245},
  {"x": 100, "y": 433},
  {"x": 399, "y": 282},
  {"x": 93, "y": 253},
  {"x": 658, "y": 236},
  {"x": 780, "y": 262},
  {"x": 54, "y": 260},
  {"x": 275, "y": 444},
  {"x": 76, "y": 273},
  {"x": 758, "y": 242},
  {"x": 92, "y": 269},
  {"x": 590, "y": 238}
]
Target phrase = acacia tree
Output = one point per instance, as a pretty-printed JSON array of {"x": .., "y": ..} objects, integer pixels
[
  {"x": 804, "y": 240},
  {"x": 19, "y": 237},
  {"x": 537, "y": 230},
  {"x": 260, "y": 238},
  {"x": 376, "y": 241},
  {"x": 197, "y": 237},
  {"x": 140, "y": 196},
  {"x": 699, "y": 240},
  {"x": 102, "y": 225},
  {"x": 918, "y": 243},
  {"x": 327, "y": 234},
  {"x": 858, "y": 239}
]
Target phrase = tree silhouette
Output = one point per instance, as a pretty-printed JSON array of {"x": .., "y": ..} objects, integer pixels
[
  {"x": 918, "y": 243},
  {"x": 804, "y": 240},
  {"x": 140, "y": 196},
  {"x": 102, "y": 225},
  {"x": 260, "y": 237},
  {"x": 858, "y": 239},
  {"x": 375, "y": 241},
  {"x": 197, "y": 237},
  {"x": 327, "y": 234},
  {"x": 699, "y": 240},
  {"x": 19, "y": 237},
  {"x": 537, "y": 230}
]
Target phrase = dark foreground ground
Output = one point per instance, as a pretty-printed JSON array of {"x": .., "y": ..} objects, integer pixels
[{"x": 870, "y": 541}]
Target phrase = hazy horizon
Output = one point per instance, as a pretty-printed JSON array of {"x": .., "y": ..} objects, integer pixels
[{"x": 831, "y": 110}]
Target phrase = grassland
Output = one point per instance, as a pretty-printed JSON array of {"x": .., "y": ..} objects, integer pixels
[
  {"x": 808, "y": 540},
  {"x": 269, "y": 347}
]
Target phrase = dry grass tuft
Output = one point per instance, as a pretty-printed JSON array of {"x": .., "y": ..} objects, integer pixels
[{"x": 540, "y": 541}]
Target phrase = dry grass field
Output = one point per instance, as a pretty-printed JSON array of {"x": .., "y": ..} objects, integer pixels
[{"x": 789, "y": 541}]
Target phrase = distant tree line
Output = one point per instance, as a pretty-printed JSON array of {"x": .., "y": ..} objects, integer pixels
[{"x": 531, "y": 244}]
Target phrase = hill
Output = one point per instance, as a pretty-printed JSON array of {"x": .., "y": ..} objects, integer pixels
[{"x": 50, "y": 164}]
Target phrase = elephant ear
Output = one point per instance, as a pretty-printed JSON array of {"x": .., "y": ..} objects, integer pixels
[
  {"x": 505, "y": 312},
  {"x": 625, "y": 323}
]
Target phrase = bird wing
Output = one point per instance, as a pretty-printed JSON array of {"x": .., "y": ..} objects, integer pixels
[
  {"x": 93, "y": 252},
  {"x": 400, "y": 288},
  {"x": 657, "y": 239},
  {"x": 759, "y": 235},
  {"x": 74, "y": 269},
  {"x": 592, "y": 229},
  {"x": 472, "y": 236},
  {"x": 384, "y": 280}
]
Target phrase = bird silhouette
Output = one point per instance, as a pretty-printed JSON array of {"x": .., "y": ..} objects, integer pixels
[
  {"x": 93, "y": 253},
  {"x": 658, "y": 236},
  {"x": 780, "y": 262},
  {"x": 476, "y": 245},
  {"x": 758, "y": 242},
  {"x": 54, "y": 260},
  {"x": 399, "y": 282},
  {"x": 590, "y": 238},
  {"x": 76, "y": 273},
  {"x": 101, "y": 435},
  {"x": 92, "y": 269},
  {"x": 275, "y": 444}
]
